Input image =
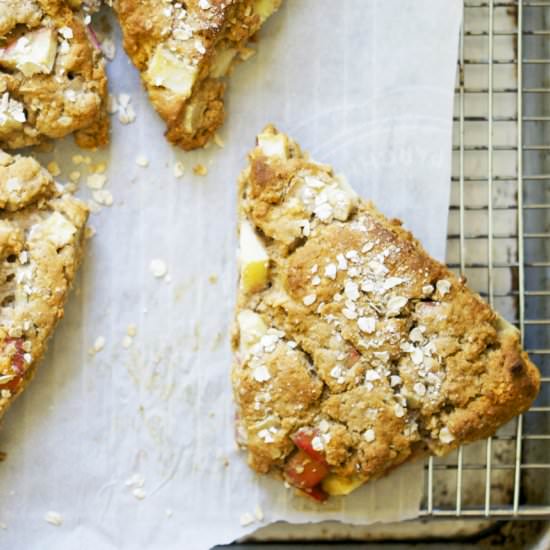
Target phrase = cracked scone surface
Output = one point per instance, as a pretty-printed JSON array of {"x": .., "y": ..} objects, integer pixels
[
  {"x": 52, "y": 79},
  {"x": 355, "y": 351},
  {"x": 183, "y": 51},
  {"x": 41, "y": 244}
]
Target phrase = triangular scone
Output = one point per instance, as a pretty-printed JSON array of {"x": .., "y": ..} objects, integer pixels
[
  {"x": 183, "y": 50},
  {"x": 355, "y": 351},
  {"x": 41, "y": 243},
  {"x": 52, "y": 79}
]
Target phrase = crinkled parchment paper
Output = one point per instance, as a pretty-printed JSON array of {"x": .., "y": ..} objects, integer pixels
[{"x": 133, "y": 446}]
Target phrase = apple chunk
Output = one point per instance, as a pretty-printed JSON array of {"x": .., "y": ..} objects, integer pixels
[
  {"x": 32, "y": 53},
  {"x": 336, "y": 485},
  {"x": 253, "y": 258},
  {"x": 166, "y": 69},
  {"x": 251, "y": 329}
]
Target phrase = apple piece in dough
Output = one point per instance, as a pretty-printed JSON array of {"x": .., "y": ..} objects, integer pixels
[
  {"x": 254, "y": 260},
  {"x": 168, "y": 70},
  {"x": 336, "y": 485},
  {"x": 251, "y": 329},
  {"x": 32, "y": 53},
  {"x": 273, "y": 145}
]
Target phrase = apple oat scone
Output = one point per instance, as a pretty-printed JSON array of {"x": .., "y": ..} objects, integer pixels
[
  {"x": 52, "y": 79},
  {"x": 183, "y": 51},
  {"x": 354, "y": 350},
  {"x": 41, "y": 245}
]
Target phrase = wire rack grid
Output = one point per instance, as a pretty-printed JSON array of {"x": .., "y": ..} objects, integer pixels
[{"x": 499, "y": 238}]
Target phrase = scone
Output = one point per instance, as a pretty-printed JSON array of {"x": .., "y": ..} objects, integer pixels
[
  {"x": 354, "y": 350},
  {"x": 41, "y": 243},
  {"x": 183, "y": 50},
  {"x": 52, "y": 79}
]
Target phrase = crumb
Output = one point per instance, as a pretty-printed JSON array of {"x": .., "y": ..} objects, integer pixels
[
  {"x": 99, "y": 344},
  {"x": 246, "y": 519},
  {"x": 139, "y": 493},
  {"x": 142, "y": 161},
  {"x": 178, "y": 169},
  {"x": 131, "y": 330},
  {"x": 127, "y": 342},
  {"x": 219, "y": 141},
  {"x": 213, "y": 279},
  {"x": 200, "y": 169},
  {"x": 258, "y": 512},
  {"x": 96, "y": 181},
  {"x": 53, "y": 168},
  {"x": 54, "y": 518},
  {"x": 158, "y": 268},
  {"x": 74, "y": 176},
  {"x": 103, "y": 197},
  {"x": 89, "y": 232}
]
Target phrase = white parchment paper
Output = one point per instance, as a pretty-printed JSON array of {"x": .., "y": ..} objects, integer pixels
[{"x": 365, "y": 85}]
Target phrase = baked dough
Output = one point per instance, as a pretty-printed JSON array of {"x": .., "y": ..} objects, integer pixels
[
  {"x": 183, "y": 50},
  {"x": 52, "y": 80},
  {"x": 41, "y": 243},
  {"x": 354, "y": 350}
]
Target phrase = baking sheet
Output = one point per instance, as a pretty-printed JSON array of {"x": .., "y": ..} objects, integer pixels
[{"x": 133, "y": 447}]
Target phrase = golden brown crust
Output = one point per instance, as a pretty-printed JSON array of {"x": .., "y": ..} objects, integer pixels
[
  {"x": 202, "y": 38},
  {"x": 401, "y": 357},
  {"x": 41, "y": 245},
  {"x": 68, "y": 96}
]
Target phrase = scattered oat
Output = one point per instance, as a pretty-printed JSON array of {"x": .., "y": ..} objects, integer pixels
[
  {"x": 179, "y": 169},
  {"x": 139, "y": 493},
  {"x": 103, "y": 197},
  {"x": 218, "y": 140},
  {"x": 309, "y": 299},
  {"x": 200, "y": 169},
  {"x": 169, "y": 512},
  {"x": 131, "y": 330},
  {"x": 99, "y": 344},
  {"x": 213, "y": 279},
  {"x": 246, "y": 519},
  {"x": 142, "y": 161},
  {"x": 158, "y": 268},
  {"x": 108, "y": 48},
  {"x": 258, "y": 512},
  {"x": 126, "y": 113},
  {"x": 127, "y": 342},
  {"x": 96, "y": 181},
  {"x": 54, "y": 518},
  {"x": 53, "y": 168}
]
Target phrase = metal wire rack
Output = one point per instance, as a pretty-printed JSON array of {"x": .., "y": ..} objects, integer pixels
[{"x": 499, "y": 238}]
